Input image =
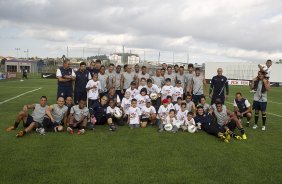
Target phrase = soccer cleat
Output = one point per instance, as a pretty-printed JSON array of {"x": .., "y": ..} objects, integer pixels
[
  {"x": 248, "y": 124},
  {"x": 20, "y": 134},
  {"x": 253, "y": 91},
  {"x": 238, "y": 137},
  {"x": 221, "y": 136},
  {"x": 161, "y": 130},
  {"x": 70, "y": 130},
  {"x": 227, "y": 135},
  {"x": 244, "y": 136},
  {"x": 255, "y": 126},
  {"x": 79, "y": 132},
  {"x": 112, "y": 127},
  {"x": 263, "y": 128},
  {"x": 10, "y": 129},
  {"x": 226, "y": 140}
]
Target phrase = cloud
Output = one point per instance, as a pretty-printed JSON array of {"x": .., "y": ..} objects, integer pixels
[
  {"x": 47, "y": 34},
  {"x": 239, "y": 29}
]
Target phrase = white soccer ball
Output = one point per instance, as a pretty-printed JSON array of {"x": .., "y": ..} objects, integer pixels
[
  {"x": 118, "y": 113},
  {"x": 154, "y": 96},
  {"x": 192, "y": 128},
  {"x": 168, "y": 127}
]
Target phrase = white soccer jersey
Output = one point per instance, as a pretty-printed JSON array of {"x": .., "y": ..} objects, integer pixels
[
  {"x": 169, "y": 120},
  {"x": 163, "y": 112},
  {"x": 134, "y": 114},
  {"x": 182, "y": 115},
  {"x": 125, "y": 104},
  {"x": 177, "y": 108},
  {"x": 111, "y": 110},
  {"x": 140, "y": 87},
  {"x": 190, "y": 122},
  {"x": 167, "y": 91},
  {"x": 189, "y": 105},
  {"x": 93, "y": 94},
  {"x": 78, "y": 113},
  {"x": 141, "y": 100},
  {"x": 153, "y": 89},
  {"x": 178, "y": 92},
  {"x": 148, "y": 111},
  {"x": 133, "y": 93}
]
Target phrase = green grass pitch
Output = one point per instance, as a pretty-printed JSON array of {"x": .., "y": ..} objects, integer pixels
[{"x": 135, "y": 156}]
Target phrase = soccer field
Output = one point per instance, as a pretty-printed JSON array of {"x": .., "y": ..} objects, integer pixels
[{"x": 134, "y": 156}]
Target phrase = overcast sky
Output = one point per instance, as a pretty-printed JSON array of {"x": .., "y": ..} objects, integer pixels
[{"x": 210, "y": 30}]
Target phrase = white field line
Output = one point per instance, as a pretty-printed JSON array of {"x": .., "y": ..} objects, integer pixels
[
  {"x": 18, "y": 96},
  {"x": 275, "y": 102},
  {"x": 15, "y": 87},
  {"x": 277, "y": 115}
]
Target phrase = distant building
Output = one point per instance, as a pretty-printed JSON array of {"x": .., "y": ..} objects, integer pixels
[
  {"x": 16, "y": 65},
  {"x": 129, "y": 58}
]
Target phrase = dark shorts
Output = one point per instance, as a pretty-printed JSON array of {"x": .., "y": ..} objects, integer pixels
[
  {"x": 64, "y": 91},
  {"x": 144, "y": 119},
  {"x": 231, "y": 125},
  {"x": 48, "y": 125},
  {"x": 78, "y": 95},
  {"x": 30, "y": 120},
  {"x": 261, "y": 106},
  {"x": 119, "y": 122}
]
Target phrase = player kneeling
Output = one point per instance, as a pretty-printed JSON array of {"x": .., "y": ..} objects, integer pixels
[
  {"x": 56, "y": 116},
  {"x": 148, "y": 114},
  {"x": 78, "y": 118},
  {"x": 114, "y": 114},
  {"x": 189, "y": 124},
  {"x": 242, "y": 108}
]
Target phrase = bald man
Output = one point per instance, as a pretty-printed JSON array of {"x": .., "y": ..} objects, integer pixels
[{"x": 219, "y": 84}]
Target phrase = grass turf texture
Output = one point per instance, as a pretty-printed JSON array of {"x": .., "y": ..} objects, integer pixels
[{"x": 134, "y": 156}]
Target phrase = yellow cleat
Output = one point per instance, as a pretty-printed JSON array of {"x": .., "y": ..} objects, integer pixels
[
  {"x": 244, "y": 136},
  {"x": 238, "y": 137}
]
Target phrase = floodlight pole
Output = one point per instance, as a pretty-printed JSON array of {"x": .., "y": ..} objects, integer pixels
[{"x": 17, "y": 49}]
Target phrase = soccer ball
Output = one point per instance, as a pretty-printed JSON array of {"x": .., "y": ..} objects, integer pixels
[
  {"x": 118, "y": 114},
  {"x": 41, "y": 131},
  {"x": 168, "y": 127},
  {"x": 192, "y": 129},
  {"x": 154, "y": 96}
]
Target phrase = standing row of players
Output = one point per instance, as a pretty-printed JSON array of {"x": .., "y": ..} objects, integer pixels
[{"x": 140, "y": 103}]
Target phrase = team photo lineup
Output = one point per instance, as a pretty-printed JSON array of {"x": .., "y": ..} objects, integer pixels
[{"x": 173, "y": 99}]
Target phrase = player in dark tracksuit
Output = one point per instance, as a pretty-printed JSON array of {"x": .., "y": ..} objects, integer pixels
[
  {"x": 218, "y": 83},
  {"x": 82, "y": 77},
  {"x": 65, "y": 77}
]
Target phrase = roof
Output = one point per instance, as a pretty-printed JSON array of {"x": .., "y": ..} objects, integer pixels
[{"x": 20, "y": 61}]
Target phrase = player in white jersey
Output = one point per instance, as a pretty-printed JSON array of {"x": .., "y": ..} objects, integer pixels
[
  {"x": 134, "y": 114},
  {"x": 93, "y": 88},
  {"x": 148, "y": 114},
  {"x": 170, "y": 75},
  {"x": 170, "y": 119},
  {"x": 32, "y": 121},
  {"x": 177, "y": 106},
  {"x": 125, "y": 104},
  {"x": 111, "y": 110},
  {"x": 78, "y": 118},
  {"x": 262, "y": 86},
  {"x": 178, "y": 92},
  {"x": 56, "y": 116},
  {"x": 182, "y": 114},
  {"x": 142, "y": 98},
  {"x": 132, "y": 90},
  {"x": 167, "y": 89},
  {"x": 228, "y": 120}
]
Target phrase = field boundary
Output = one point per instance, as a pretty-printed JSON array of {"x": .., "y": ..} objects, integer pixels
[{"x": 19, "y": 95}]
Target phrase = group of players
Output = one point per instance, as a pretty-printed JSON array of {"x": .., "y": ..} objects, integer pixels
[{"x": 171, "y": 99}]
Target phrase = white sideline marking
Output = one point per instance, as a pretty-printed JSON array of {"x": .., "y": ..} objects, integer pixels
[
  {"x": 266, "y": 112},
  {"x": 275, "y": 102},
  {"x": 14, "y": 87},
  {"x": 19, "y": 96}
]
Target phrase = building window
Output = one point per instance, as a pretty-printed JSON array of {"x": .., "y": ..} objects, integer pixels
[{"x": 11, "y": 68}]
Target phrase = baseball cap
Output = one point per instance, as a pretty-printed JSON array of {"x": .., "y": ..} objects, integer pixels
[{"x": 165, "y": 101}]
